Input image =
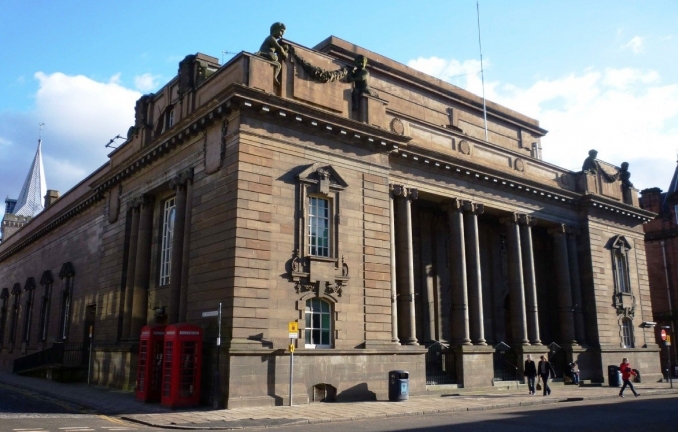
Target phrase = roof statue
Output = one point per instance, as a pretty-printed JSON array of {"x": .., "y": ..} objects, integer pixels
[
  {"x": 271, "y": 48},
  {"x": 30, "y": 201}
]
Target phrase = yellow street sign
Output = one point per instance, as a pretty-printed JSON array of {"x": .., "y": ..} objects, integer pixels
[
  {"x": 291, "y": 348},
  {"x": 293, "y": 326},
  {"x": 668, "y": 338}
]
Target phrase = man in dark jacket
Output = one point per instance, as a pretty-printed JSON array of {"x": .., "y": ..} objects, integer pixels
[{"x": 530, "y": 373}]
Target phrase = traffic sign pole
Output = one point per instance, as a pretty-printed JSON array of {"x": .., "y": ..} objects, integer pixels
[
  {"x": 217, "y": 384},
  {"x": 293, "y": 330}
]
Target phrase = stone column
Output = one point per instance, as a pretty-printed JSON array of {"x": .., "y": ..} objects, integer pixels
[
  {"x": 405, "y": 266},
  {"x": 516, "y": 282},
  {"x": 575, "y": 281},
  {"x": 177, "y": 250},
  {"x": 563, "y": 284},
  {"x": 474, "y": 279},
  {"x": 459, "y": 310},
  {"x": 531, "y": 310},
  {"x": 394, "y": 286},
  {"x": 142, "y": 267},
  {"x": 183, "y": 295},
  {"x": 131, "y": 262},
  {"x": 427, "y": 275}
]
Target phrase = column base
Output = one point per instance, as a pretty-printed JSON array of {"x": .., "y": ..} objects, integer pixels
[{"x": 474, "y": 365}]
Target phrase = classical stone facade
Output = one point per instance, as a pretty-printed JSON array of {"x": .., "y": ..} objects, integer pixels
[{"x": 395, "y": 234}]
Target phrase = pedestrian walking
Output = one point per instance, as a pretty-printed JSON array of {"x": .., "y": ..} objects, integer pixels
[
  {"x": 627, "y": 372},
  {"x": 574, "y": 373},
  {"x": 530, "y": 373},
  {"x": 545, "y": 371}
]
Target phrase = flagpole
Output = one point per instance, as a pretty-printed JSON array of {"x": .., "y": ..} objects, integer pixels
[{"x": 482, "y": 74}]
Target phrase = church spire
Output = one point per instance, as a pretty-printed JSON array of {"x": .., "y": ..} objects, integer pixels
[{"x": 30, "y": 201}]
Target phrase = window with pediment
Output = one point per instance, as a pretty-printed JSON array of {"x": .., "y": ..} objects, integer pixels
[
  {"x": 66, "y": 274},
  {"x": 29, "y": 288},
  {"x": 14, "y": 324},
  {"x": 317, "y": 264},
  {"x": 167, "y": 234},
  {"x": 46, "y": 281}
]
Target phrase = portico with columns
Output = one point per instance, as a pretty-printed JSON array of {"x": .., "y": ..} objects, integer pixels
[{"x": 469, "y": 276}]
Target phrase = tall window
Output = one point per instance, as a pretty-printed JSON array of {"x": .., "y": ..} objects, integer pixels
[
  {"x": 621, "y": 272},
  {"x": 16, "y": 292},
  {"x": 66, "y": 274},
  {"x": 318, "y": 324},
  {"x": 627, "y": 332},
  {"x": 675, "y": 211},
  {"x": 30, "y": 289},
  {"x": 46, "y": 281},
  {"x": 620, "y": 264},
  {"x": 169, "y": 212},
  {"x": 319, "y": 227},
  {"x": 4, "y": 296}
]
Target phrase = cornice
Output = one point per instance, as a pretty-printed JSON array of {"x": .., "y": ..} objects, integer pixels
[{"x": 609, "y": 206}]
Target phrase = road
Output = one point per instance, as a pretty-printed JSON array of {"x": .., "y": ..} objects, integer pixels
[
  {"x": 643, "y": 414},
  {"x": 28, "y": 411}
]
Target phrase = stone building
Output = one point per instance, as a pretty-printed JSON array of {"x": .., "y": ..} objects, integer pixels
[
  {"x": 661, "y": 243},
  {"x": 396, "y": 230}
]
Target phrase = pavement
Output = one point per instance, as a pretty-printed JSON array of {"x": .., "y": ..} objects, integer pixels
[{"x": 124, "y": 405}]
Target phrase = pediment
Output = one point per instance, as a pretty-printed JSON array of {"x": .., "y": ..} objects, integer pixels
[
  {"x": 4, "y": 294},
  {"x": 319, "y": 174},
  {"x": 67, "y": 270},
  {"x": 618, "y": 242},
  {"x": 16, "y": 289},
  {"x": 46, "y": 278},
  {"x": 30, "y": 284}
]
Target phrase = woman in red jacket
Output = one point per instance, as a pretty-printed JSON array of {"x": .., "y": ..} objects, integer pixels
[{"x": 626, "y": 372}]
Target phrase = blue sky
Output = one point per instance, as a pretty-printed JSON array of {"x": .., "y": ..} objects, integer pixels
[{"x": 600, "y": 74}]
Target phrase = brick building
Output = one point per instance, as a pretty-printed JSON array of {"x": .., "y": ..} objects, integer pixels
[
  {"x": 396, "y": 230},
  {"x": 661, "y": 243}
]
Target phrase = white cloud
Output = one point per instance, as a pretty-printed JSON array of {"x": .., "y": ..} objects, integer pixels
[
  {"x": 635, "y": 44},
  {"x": 146, "y": 82},
  {"x": 80, "y": 114},
  {"x": 626, "y": 114},
  {"x": 622, "y": 78}
]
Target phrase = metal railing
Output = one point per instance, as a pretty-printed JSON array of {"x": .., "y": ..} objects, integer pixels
[
  {"x": 58, "y": 355},
  {"x": 440, "y": 365}
]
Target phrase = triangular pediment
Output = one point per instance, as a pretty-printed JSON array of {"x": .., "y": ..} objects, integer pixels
[
  {"x": 16, "y": 289},
  {"x": 618, "y": 242},
  {"x": 46, "y": 278},
  {"x": 67, "y": 270},
  {"x": 4, "y": 294},
  {"x": 30, "y": 284},
  {"x": 317, "y": 172}
]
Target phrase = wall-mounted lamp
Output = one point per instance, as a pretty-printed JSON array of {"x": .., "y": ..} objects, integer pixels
[
  {"x": 648, "y": 324},
  {"x": 159, "y": 311}
]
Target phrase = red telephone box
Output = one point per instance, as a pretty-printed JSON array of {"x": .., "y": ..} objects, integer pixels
[
  {"x": 182, "y": 364},
  {"x": 149, "y": 366}
]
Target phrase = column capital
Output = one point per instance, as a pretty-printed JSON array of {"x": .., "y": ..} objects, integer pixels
[
  {"x": 473, "y": 207},
  {"x": 453, "y": 204},
  {"x": 527, "y": 220},
  {"x": 141, "y": 200},
  {"x": 510, "y": 219},
  {"x": 399, "y": 190},
  {"x": 558, "y": 229},
  {"x": 181, "y": 178}
]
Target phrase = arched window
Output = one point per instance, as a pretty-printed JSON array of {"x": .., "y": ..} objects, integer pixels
[
  {"x": 318, "y": 324},
  {"x": 627, "y": 332}
]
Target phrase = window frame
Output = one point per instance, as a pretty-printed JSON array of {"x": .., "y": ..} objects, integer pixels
[
  {"x": 620, "y": 266},
  {"x": 46, "y": 281},
  {"x": 16, "y": 308},
  {"x": 166, "y": 239},
  {"x": 29, "y": 287},
  {"x": 308, "y": 331},
  {"x": 626, "y": 331},
  {"x": 311, "y": 218}
]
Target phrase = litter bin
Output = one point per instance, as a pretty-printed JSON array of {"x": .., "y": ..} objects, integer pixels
[
  {"x": 398, "y": 385},
  {"x": 614, "y": 376}
]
